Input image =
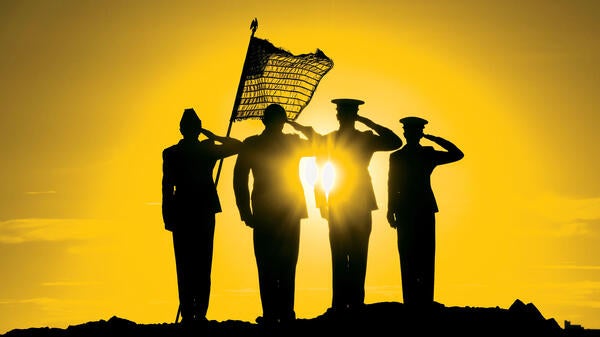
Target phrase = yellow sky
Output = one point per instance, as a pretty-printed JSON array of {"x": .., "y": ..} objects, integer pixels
[{"x": 91, "y": 92}]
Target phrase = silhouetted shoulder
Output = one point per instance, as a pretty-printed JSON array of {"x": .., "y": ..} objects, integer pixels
[
  {"x": 170, "y": 149},
  {"x": 251, "y": 140}
]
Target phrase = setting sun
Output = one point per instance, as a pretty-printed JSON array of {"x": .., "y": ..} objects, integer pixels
[
  {"x": 311, "y": 174},
  {"x": 328, "y": 177}
]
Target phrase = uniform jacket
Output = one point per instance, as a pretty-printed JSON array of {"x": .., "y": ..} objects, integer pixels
[
  {"x": 273, "y": 160},
  {"x": 409, "y": 177},
  {"x": 350, "y": 153},
  {"x": 188, "y": 187}
]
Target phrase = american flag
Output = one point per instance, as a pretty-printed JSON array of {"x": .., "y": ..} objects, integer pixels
[{"x": 274, "y": 75}]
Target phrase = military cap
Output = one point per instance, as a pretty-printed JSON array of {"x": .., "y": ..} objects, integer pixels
[
  {"x": 413, "y": 122},
  {"x": 347, "y": 102},
  {"x": 347, "y": 105},
  {"x": 190, "y": 119}
]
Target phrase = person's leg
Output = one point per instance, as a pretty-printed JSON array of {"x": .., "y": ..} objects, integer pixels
[
  {"x": 182, "y": 244},
  {"x": 359, "y": 249},
  {"x": 338, "y": 238},
  {"x": 426, "y": 258},
  {"x": 408, "y": 259},
  {"x": 265, "y": 257},
  {"x": 290, "y": 244},
  {"x": 204, "y": 257}
]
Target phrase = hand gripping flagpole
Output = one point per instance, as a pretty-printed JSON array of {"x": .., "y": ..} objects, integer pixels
[
  {"x": 238, "y": 95},
  {"x": 236, "y": 104}
]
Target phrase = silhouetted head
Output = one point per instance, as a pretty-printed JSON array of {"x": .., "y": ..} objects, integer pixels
[
  {"x": 413, "y": 128},
  {"x": 347, "y": 109},
  {"x": 274, "y": 117},
  {"x": 190, "y": 124}
]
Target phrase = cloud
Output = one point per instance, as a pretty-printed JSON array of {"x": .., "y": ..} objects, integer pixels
[
  {"x": 572, "y": 267},
  {"x": 40, "y": 192},
  {"x": 35, "y": 300},
  {"x": 568, "y": 217},
  {"x": 577, "y": 227},
  {"x": 68, "y": 284},
  {"x": 581, "y": 293},
  {"x": 17, "y": 231}
]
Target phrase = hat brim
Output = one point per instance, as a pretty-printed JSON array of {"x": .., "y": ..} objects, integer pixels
[{"x": 347, "y": 101}]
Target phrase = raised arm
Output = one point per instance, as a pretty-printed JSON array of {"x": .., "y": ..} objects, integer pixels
[
  {"x": 390, "y": 140},
  {"x": 230, "y": 145},
  {"x": 453, "y": 152},
  {"x": 307, "y": 131},
  {"x": 221, "y": 139}
]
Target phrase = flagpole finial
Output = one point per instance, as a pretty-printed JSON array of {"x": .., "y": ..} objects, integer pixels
[{"x": 254, "y": 25}]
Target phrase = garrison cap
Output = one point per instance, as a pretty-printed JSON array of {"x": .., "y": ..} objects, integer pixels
[
  {"x": 413, "y": 122},
  {"x": 190, "y": 119}
]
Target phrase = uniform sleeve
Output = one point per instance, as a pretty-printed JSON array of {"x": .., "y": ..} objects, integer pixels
[
  {"x": 228, "y": 147},
  {"x": 241, "y": 173},
  {"x": 168, "y": 189},
  {"x": 452, "y": 153},
  {"x": 391, "y": 184},
  {"x": 385, "y": 140}
]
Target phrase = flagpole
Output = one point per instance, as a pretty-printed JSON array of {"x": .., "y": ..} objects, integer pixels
[{"x": 238, "y": 95}]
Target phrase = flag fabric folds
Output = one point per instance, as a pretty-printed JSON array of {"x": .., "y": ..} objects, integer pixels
[{"x": 274, "y": 75}]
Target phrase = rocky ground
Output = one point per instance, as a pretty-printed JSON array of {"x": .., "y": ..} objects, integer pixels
[{"x": 376, "y": 320}]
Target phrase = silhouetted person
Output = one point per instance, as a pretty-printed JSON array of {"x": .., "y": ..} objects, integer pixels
[
  {"x": 412, "y": 207},
  {"x": 273, "y": 208},
  {"x": 189, "y": 204},
  {"x": 349, "y": 204}
]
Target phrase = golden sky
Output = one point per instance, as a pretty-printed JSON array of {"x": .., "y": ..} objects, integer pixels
[{"x": 92, "y": 91}]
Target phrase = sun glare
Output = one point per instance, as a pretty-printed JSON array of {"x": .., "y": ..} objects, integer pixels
[
  {"x": 327, "y": 177},
  {"x": 311, "y": 173}
]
